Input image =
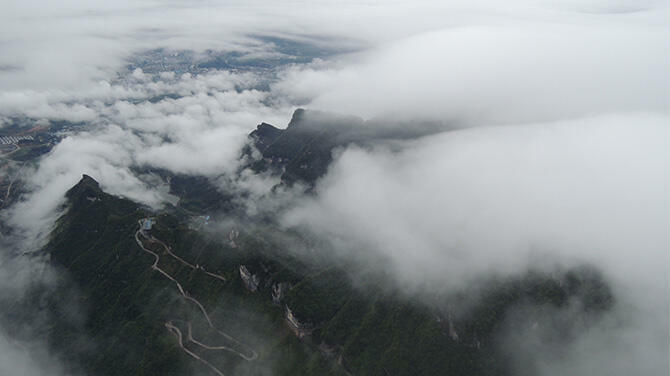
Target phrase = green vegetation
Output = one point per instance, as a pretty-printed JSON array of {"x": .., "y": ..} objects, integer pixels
[
  {"x": 127, "y": 303},
  {"x": 368, "y": 329}
]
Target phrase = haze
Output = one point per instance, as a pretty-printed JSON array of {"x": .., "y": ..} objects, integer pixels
[{"x": 561, "y": 154}]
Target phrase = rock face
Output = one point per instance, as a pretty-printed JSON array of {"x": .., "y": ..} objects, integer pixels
[
  {"x": 300, "y": 329},
  {"x": 251, "y": 281},
  {"x": 278, "y": 292}
]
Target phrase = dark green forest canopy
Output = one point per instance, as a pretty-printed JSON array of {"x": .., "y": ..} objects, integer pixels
[{"x": 355, "y": 328}]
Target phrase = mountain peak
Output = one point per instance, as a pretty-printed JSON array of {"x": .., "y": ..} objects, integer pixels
[
  {"x": 86, "y": 179},
  {"x": 320, "y": 121},
  {"x": 297, "y": 118},
  {"x": 87, "y": 186}
]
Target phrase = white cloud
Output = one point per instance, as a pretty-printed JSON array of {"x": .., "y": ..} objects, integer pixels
[
  {"x": 468, "y": 201},
  {"x": 199, "y": 133},
  {"x": 452, "y": 208},
  {"x": 585, "y": 180},
  {"x": 497, "y": 74}
]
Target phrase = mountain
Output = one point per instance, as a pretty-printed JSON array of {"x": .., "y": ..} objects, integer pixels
[
  {"x": 160, "y": 294},
  {"x": 303, "y": 151}
]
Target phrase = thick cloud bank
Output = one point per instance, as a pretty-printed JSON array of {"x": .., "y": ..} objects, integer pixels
[
  {"x": 487, "y": 198},
  {"x": 484, "y": 74},
  {"x": 448, "y": 210},
  {"x": 568, "y": 162}
]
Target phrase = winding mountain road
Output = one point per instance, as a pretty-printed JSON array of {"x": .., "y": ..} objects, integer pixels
[
  {"x": 168, "y": 249},
  {"x": 173, "y": 329}
]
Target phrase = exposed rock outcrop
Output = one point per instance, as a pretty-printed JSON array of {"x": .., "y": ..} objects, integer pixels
[
  {"x": 300, "y": 329},
  {"x": 278, "y": 291},
  {"x": 251, "y": 281}
]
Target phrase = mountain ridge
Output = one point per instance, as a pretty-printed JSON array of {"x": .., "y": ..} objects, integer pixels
[{"x": 310, "y": 316}]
